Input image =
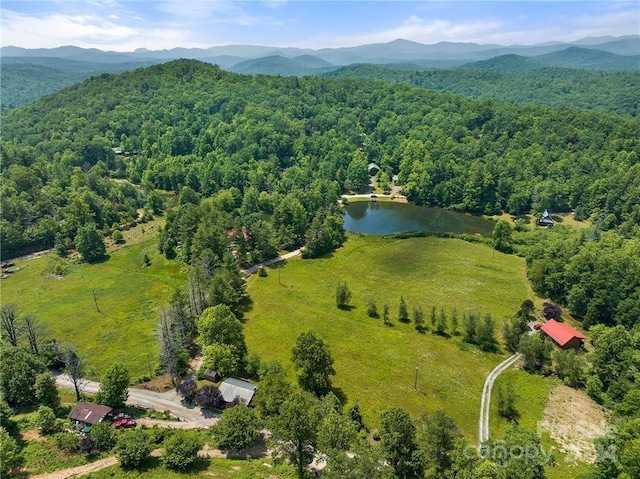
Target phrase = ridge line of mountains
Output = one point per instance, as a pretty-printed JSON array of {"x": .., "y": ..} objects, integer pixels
[
  {"x": 392, "y": 52},
  {"x": 27, "y": 74}
]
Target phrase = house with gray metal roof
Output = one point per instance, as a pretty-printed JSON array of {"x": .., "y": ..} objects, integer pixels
[
  {"x": 234, "y": 388},
  {"x": 88, "y": 413}
]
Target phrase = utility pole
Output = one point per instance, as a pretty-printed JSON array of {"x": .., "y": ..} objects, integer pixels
[
  {"x": 415, "y": 383},
  {"x": 95, "y": 300}
]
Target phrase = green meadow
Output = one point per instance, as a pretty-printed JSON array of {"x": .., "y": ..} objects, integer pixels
[
  {"x": 376, "y": 364},
  {"x": 128, "y": 296}
]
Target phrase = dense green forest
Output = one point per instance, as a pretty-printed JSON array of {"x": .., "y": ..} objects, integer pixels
[
  {"x": 518, "y": 79},
  {"x": 260, "y": 161},
  {"x": 253, "y": 164},
  {"x": 24, "y": 79}
]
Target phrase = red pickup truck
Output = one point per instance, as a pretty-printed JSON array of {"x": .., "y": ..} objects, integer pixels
[{"x": 124, "y": 421}]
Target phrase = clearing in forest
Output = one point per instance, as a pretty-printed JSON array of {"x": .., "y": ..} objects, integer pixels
[{"x": 375, "y": 363}]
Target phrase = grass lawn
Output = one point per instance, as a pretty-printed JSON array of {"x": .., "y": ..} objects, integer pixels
[
  {"x": 202, "y": 468},
  {"x": 376, "y": 364},
  {"x": 127, "y": 294}
]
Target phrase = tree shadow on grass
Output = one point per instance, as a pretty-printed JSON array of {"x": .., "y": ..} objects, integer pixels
[
  {"x": 102, "y": 259},
  {"x": 245, "y": 305},
  {"x": 256, "y": 450},
  {"x": 347, "y": 307},
  {"x": 340, "y": 394},
  {"x": 201, "y": 464}
]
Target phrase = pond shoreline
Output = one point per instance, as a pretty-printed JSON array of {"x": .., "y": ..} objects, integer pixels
[{"x": 382, "y": 216}]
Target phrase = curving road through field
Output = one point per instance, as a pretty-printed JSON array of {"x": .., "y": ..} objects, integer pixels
[{"x": 485, "y": 405}]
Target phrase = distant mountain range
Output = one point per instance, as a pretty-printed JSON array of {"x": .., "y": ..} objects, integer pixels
[
  {"x": 27, "y": 74},
  {"x": 391, "y": 52}
]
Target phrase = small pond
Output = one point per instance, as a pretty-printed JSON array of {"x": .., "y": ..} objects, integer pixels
[{"x": 384, "y": 218}]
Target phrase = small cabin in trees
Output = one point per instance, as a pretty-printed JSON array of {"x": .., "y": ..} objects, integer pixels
[
  {"x": 211, "y": 375},
  {"x": 545, "y": 220},
  {"x": 87, "y": 414},
  {"x": 563, "y": 335},
  {"x": 234, "y": 391},
  {"x": 373, "y": 169}
]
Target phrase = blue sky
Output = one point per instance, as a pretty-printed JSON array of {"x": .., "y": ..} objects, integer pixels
[{"x": 124, "y": 25}]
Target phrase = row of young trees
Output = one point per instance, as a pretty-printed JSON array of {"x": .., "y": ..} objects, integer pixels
[{"x": 476, "y": 329}]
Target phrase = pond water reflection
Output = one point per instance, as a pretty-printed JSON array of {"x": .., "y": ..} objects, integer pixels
[{"x": 383, "y": 218}]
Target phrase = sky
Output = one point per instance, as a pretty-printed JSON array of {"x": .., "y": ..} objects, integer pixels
[{"x": 126, "y": 25}]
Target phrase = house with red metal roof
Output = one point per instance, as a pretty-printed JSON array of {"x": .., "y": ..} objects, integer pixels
[{"x": 563, "y": 335}]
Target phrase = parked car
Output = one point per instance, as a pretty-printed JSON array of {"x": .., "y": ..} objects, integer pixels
[
  {"x": 537, "y": 326},
  {"x": 124, "y": 421}
]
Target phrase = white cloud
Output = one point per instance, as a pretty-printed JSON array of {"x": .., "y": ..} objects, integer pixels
[
  {"x": 85, "y": 30},
  {"x": 219, "y": 11},
  {"x": 418, "y": 30},
  {"x": 609, "y": 21}
]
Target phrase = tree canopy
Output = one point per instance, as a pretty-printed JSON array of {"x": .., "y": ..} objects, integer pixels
[{"x": 312, "y": 359}]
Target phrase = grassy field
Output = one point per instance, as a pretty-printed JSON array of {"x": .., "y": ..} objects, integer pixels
[
  {"x": 376, "y": 364},
  {"x": 203, "y": 468},
  {"x": 532, "y": 394},
  {"x": 128, "y": 296}
]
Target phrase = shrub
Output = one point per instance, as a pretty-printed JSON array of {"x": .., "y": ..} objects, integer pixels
[
  {"x": 117, "y": 237},
  {"x": 87, "y": 444},
  {"x": 67, "y": 441},
  {"x": 372, "y": 309},
  {"x": 46, "y": 420},
  {"x": 181, "y": 449},
  {"x": 208, "y": 397},
  {"x": 9, "y": 452},
  {"x": 104, "y": 436},
  {"x": 132, "y": 448},
  {"x": 238, "y": 428},
  {"x": 552, "y": 311},
  {"x": 187, "y": 389},
  {"x": 343, "y": 295}
]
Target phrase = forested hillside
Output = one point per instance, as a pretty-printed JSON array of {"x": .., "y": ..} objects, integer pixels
[
  {"x": 243, "y": 166},
  {"x": 24, "y": 79},
  {"x": 274, "y": 154},
  {"x": 518, "y": 79}
]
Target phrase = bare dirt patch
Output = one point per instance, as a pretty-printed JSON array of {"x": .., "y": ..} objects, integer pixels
[
  {"x": 158, "y": 384},
  {"x": 574, "y": 421},
  {"x": 33, "y": 435}
]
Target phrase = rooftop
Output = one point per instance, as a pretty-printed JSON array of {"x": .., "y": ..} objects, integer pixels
[
  {"x": 561, "y": 333},
  {"x": 232, "y": 388},
  {"x": 88, "y": 412}
]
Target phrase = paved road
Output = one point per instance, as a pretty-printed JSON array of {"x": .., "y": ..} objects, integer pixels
[
  {"x": 485, "y": 406},
  {"x": 167, "y": 401}
]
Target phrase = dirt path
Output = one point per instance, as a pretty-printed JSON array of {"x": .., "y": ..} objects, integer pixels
[
  {"x": 394, "y": 196},
  {"x": 485, "y": 405},
  {"x": 79, "y": 470},
  {"x": 252, "y": 269},
  {"x": 256, "y": 451}
]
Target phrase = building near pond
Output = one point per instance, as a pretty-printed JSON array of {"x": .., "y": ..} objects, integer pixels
[{"x": 545, "y": 219}]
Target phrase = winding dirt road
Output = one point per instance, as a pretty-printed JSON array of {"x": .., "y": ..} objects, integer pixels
[{"x": 485, "y": 406}]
